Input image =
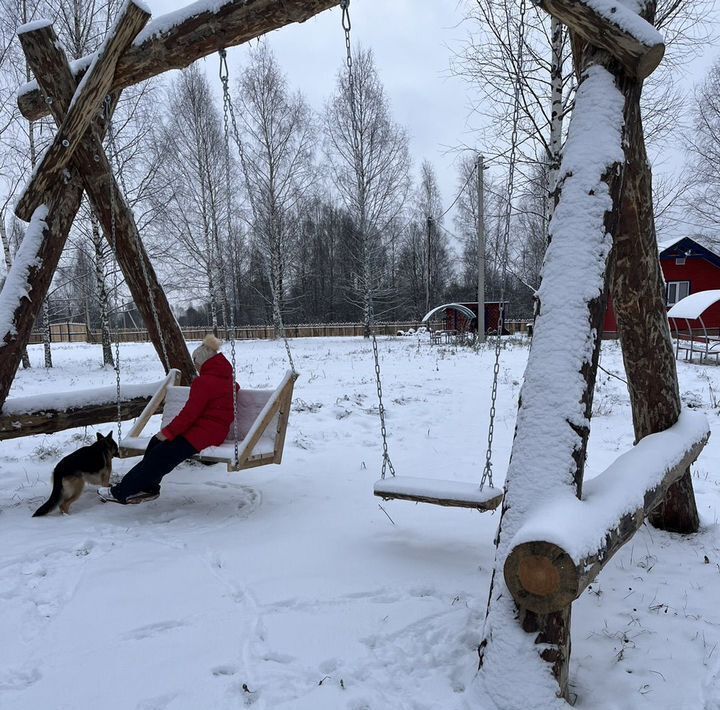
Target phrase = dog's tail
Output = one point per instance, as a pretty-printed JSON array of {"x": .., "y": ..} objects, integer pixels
[{"x": 55, "y": 495}]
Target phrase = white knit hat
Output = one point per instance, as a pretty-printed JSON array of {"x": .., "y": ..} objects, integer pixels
[{"x": 209, "y": 348}]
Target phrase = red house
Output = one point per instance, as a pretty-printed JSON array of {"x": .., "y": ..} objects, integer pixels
[{"x": 688, "y": 267}]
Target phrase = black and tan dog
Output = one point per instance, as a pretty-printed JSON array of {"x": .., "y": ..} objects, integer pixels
[{"x": 90, "y": 464}]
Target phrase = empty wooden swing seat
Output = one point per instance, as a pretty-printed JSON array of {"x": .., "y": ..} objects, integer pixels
[
  {"x": 262, "y": 418},
  {"x": 454, "y": 494}
]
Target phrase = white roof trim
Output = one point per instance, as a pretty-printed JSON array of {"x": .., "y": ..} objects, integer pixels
[
  {"x": 450, "y": 306},
  {"x": 694, "y": 305}
]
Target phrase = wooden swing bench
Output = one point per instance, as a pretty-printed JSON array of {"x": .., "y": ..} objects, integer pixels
[
  {"x": 262, "y": 418},
  {"x": 453, "y": 494}
]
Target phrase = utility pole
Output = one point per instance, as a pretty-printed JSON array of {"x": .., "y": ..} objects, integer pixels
[
  {"x": 480, "y": 168},
  {"x": 427, "y": 276}
]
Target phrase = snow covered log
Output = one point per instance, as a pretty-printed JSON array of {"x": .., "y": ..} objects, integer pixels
[
  {"x": 89, "y": 96},
  {"x": 48, "y": 61},
  {"x": 49, "y": 413},
  {"x": 614, "y": 27},
  {"x": 565, "y": 544},
  {"x": 30, "y": 276},
  {"x": 177, "y": 39},
  {"x": 553, "y": 422}
]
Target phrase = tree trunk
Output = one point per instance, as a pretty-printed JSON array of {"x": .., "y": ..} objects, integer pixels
[{"x": 638, "y": 293}]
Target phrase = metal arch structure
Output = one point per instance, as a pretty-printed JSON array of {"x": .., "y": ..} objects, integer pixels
[
  {"x": 692, "y": 308},
  {"x": 449, "y": 307}
]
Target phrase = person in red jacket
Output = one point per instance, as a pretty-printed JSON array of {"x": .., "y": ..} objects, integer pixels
[{"x": 204, "y": 421}]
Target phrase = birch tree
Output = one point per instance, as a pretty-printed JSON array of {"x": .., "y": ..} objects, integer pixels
[
  {"x": 277, "y": 161},
  {"x": 370, "y": 174}
]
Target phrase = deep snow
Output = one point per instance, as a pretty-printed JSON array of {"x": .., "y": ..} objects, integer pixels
[{"x": 290, "y": 587}]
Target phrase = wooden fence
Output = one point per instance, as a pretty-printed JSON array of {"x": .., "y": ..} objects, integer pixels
[{"x": 78, "y": 332}]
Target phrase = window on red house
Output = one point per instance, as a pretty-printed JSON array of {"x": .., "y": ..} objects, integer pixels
[{"x": 675, "y": 291}]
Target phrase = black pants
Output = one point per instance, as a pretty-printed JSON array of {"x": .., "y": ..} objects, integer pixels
[{"x": 160, "y": 458}]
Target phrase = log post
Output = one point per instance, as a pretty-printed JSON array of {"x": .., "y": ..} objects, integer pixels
[
  {"x": 571, "y": 308},
  {"x": 544, "y": 578},
  {"x": 50, "y": 65},
  {"x": 638, "y": 293},
  {"x": 190, "y": 34},
  {"x": 43, "y": 257},
  {"x": 83, "y": 108}
]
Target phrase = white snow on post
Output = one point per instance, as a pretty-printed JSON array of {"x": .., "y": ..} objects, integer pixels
[
  {"x": 17, "y": 286},
  {"x": 76, "y": 67},
  {"x": 165, "y": 23},
  {"x": 579, "y": 526},
  {"x": 542, "y": 466},
  {"x": 75, "y": 399},
  {"x": 625, "y": 16}
]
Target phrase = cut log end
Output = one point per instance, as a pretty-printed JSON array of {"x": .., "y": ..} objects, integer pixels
[
  {"x": 541, "y": 577},
  {"x": 650, "y": 61}
]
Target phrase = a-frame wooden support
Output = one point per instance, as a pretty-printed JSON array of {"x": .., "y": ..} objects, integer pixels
[
  {"x": 612, "y": 56},
  {"x": 77, "y": 161}
]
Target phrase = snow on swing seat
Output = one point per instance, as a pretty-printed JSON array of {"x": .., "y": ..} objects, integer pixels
[
  {"x": 456, "y": 494},
  {"x": 262, "y": 417}
]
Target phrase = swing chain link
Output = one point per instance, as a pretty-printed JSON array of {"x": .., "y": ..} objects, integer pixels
[
  {"x": 386, "y": 462},
  {"x": 487, "y": 472},
  {"x": 107, "y": 108},
  {"x": 224, "y": 77},
  {"x": 347, "y": 26}
]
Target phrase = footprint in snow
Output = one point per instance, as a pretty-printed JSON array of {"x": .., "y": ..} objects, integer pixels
[
  {"x": 224, "y": 670},
  {"x": 151, "y": 630},
  {"x": 19, "y": 679}
]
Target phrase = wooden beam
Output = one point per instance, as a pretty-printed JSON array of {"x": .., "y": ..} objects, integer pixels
[
  {"x": 638, "y": 292},
  {"x": 85, "y": 105},
  {"x": 544, "y": 578},
  {"x": 49, "y": 63},
  {"x": 588, "y": 196},
  {"x": 43, "y": 256},
  {"x": 620, "y": 31},
  {"x": 49, "y": 421},
  {"x": 180, "y": 38}
]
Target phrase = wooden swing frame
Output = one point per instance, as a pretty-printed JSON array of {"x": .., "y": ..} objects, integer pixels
[
  {"x": 598, "y": 37},
  {"x": 76, "y": 163}
]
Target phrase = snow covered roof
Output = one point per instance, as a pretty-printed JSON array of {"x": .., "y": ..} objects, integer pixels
[
  {"x": 451, "y": 307},
  {"x": 694, "y": 305},
  {"x": 688, "y": 247}
]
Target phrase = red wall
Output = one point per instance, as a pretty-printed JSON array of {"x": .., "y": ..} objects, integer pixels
[
  {"x": 702, "y": 276},
  {"x": 454, "y": 320}
]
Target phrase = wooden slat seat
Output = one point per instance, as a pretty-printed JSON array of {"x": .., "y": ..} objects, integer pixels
[
  {"x": 455, "y": 494},
  {"x": 262, "y": 417}
]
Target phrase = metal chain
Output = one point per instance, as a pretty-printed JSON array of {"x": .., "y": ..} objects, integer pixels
[
  {"x": 156, "y": 318},
  {"x": 107, "y": 107},
  {"x": 487, "y": 472},
  {"x": 228, "y": 192},
  {"x": 347, "y": 26},
  {"x": 229, "y": 113}
]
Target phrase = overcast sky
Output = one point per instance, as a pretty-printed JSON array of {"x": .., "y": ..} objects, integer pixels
[{"x": 413, "y": 42}]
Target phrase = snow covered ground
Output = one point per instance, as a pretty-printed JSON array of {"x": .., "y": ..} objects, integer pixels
[{"x": 290, "y": 587}]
